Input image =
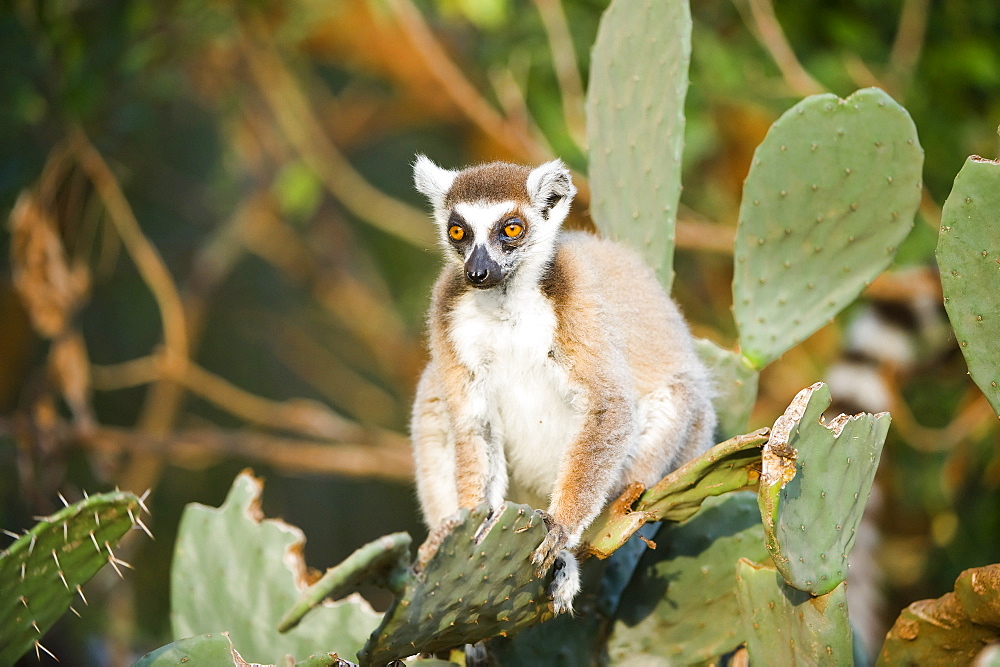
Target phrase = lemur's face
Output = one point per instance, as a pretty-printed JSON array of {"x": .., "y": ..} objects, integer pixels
[
  {"x": 490, "y": 239},
  {"x": 496, "y": 217}
]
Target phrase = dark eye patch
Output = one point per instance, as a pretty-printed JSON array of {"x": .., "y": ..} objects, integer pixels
[{"x": 458, "y": 230}]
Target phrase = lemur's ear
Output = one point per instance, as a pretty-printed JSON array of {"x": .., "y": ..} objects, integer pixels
[
  {"x": 549, "y": 184},
  {"x": 431, "y": 180}
]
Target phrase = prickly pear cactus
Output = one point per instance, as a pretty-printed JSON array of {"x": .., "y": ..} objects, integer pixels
[
  {"x": 44, "y": 569},
  {"x": 217, "y": 650},
  {"x": 968, "y": 255},
  {"x": 988, "y": 657},
  {"x": 736, "y": 387},
  {"x": 680, "y": 607},
  {"x": 235, "y": 571},
  {"x": 831, "y": 194},
  {"x": 732, "y": 465},
  {"x": 209, "y": 649},
  {"x": 951, "y": 630},
  {"x": 786, "y": 626},
  {"x": 384, "y": 562},
  {"x": 635, "y": 125},
  {"x": 814, "y": 485},
  {"x": 472, "y": 580}
]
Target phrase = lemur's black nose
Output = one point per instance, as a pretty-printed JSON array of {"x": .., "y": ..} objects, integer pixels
[
  {"x": 477, "y": 275},
  {"x": 481, "y": 271}
]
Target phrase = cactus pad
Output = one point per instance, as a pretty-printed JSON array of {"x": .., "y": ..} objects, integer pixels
[
  {"x": 831, "y": 194},
  {"x": 692, "y": 568},
  {"x": 235, "y": 571},
  {"x": 472, "y": 580},
  {"x": 735, "y": 383},
  {"x": 968, "y": 255},
  {"x": 635, "y": 125},
  {"x": 813, "y": 488},
  {"x": 43, "y": 570},
  {"x": 729, "y": 466},
  {"x": 951, "y": 630},
  {"x": 384, "y": 562},
  {"x": 786, "y": 626},
  {"x": 214, "y": 649},
  {"x": 217, "y": 650}
]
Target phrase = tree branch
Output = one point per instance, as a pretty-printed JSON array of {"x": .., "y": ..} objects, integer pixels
[
  {"x": 764, "y": 25},
  {"x": 301, "y": 127},
  {"x": 147, "y": 259},
  {"x": 566, "y": 68}
]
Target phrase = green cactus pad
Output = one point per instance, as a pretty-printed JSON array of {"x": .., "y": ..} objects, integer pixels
[
  {"x": 217, "y": 650},
  {"x": 988, "y": 657},
  {"x": 472, "y": 580},
  {"x": 635, "y": 125},
  {"x": 831, "y": 194},
  {"x": 681, "y": 604},
  {"x": 729, "y": 466},
  {"x": 565, "y": 640},
  {"x": 235, "y": 571},
  {"x": 384, "y": 561},
  {"x": 43, "y": 570},
  {"x": 813, "y": 488},
  {"x": 951, "y": 630},
  {"x": 735, "y": 386},
  {"x": 214, "y": 649},
  {"x": 786, "y": 626},
  {"x": 968, "y": 255}
]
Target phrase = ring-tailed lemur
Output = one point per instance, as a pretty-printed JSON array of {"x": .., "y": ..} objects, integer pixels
[{"x": 558, "y": 366}]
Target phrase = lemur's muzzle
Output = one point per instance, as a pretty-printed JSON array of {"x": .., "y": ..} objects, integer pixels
[{"x": 480, "y": 269}]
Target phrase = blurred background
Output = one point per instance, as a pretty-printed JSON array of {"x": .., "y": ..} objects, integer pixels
[{"x": 214, "y": 258}]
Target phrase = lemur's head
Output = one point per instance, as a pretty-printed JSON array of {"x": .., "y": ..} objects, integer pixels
[{"x": 496, "y": 217}]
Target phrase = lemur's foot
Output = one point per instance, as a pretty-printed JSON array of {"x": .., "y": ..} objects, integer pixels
[
  {"x": 552, "y": 553},
  {"x": 566, "y": 583}
]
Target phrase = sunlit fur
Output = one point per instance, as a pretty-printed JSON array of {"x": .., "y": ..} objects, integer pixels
[{"x": 571, "y": 377}]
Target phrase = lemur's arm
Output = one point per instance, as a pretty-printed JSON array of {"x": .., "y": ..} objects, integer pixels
[
  {"x": 479, "y": 469},
  {"x": 591, "y": 468}
]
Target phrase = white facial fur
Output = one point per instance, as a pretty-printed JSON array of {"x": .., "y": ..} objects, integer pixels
[{"x": 550, "y": 191}]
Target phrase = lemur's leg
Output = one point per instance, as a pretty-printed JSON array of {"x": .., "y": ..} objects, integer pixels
[
  {"x": 676, "y": 425},
  {"x": 433, "y": 452},
  {"x": 589, "y": 472}
]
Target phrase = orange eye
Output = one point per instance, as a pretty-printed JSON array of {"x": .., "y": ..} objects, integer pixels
[
  {"x": 512, "y": 230},
  {"x": 456, "y": 233}
]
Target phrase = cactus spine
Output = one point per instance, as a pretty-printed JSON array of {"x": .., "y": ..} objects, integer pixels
[
  {"x": 472, "y": 580},
  {"x": 44, "y": 569}
]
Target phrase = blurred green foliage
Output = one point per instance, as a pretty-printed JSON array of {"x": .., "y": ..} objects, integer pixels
[{"x": 300, "y": 297}]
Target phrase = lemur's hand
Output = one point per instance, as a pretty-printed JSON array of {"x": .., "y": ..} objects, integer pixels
[{"x": 546, "y": 553}]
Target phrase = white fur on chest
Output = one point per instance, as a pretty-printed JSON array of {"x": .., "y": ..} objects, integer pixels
[{"x": 521, "y": 392}]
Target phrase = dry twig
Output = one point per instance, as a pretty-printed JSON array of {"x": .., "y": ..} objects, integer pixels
[
  {"x": 907, "y": 46},
  {"x": 458, "y": 88},
  {"x": 301, "y": 127},
  {"x": 147, "y": 259},
  {"x": 765, "y": 27},
  {"x": 566, "y": 68}
]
